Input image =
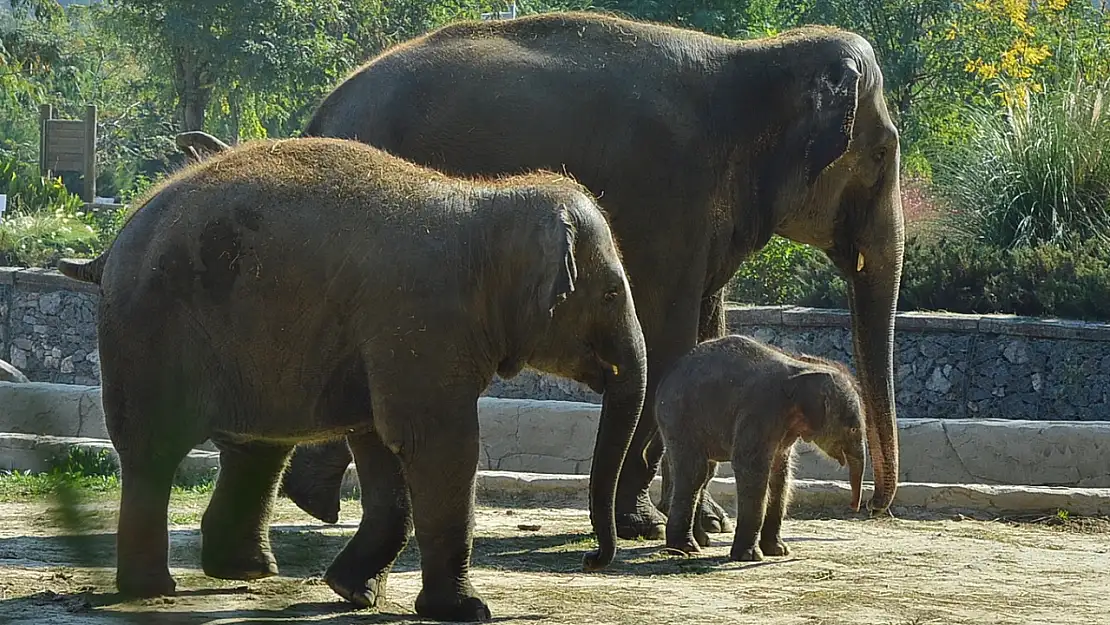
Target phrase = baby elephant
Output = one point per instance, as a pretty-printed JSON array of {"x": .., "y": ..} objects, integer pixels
[{"x": 736, "y": 399}]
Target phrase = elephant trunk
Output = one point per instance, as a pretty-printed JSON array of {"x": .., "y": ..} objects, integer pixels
[
  {"x": 873, "y": 296},
  {"x": 625, "y": 387},
  {"x": 855, "y": 462}
]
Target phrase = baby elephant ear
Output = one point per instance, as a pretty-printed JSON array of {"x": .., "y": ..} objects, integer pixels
[
  {"x": 809, "y": 391},
  {"x": 835, "y": 103},
  {"x": 559, "y": 270}
]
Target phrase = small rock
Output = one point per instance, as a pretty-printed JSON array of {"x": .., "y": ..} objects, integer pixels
[
  {"x": 937, "y": 383},
  {"x": 22, "y": 343},
  {"x": 50, "y": 302},
  {"x": 93, "y": 357},
  {"x": 1016, "y": 353},
  {"x": 524, "y": 527},
  {"x": 19, "y": 358},
  {"x": 66, "y": 365},
  {"x": 1038, "y": 384}
]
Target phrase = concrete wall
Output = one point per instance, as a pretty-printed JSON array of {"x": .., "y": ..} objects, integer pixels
[
  {"x": 557, "y": 437},
  {"x": 947, "y": 366}
]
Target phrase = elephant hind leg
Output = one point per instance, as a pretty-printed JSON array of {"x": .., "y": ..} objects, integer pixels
[
  {"x": 151, "y": 444},
  {"x": 359, "y": 573},
  {"x": 235, "y": 530}
]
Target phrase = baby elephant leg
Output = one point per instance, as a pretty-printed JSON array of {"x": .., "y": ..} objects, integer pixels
[
  {"x": 770, "y": 539},
  {"x": 689, "y": 472},
  {"x": 752, "y": 468}
]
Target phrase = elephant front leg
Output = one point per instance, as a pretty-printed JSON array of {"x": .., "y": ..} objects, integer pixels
[
  {"x": 778, "y": 490},
  {"x": 437, "y": 441},
  {"x": 235, "y": 530},
  {"x": 689, "y": 472},
  {"x": 751, "y": 467},
  {"x": 359, "y": 573}
]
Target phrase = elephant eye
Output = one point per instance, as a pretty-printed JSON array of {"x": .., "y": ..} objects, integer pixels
[
  {"x": 879, "y": 154},
  {"x": 612, "y": 295}
]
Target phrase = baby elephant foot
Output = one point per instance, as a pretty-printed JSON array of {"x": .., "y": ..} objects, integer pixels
[
  {"x": 645, "y": 522},
  {"x": 364, "y": 593},
  {"x": 701, "y": 536},
  {"x": 227, "y": 564},
  {"x": 745, "y": 554},
  {"x": 712, "y": 518},
  {"x": 467, "y": 608},
  {"x": 774, "y": 548},
  {"x": 145, "y": 585}
]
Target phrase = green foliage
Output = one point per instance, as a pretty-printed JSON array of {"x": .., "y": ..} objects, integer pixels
[
  {"x": 770, "y": 277},
  {"x": 40, "y": 239},
  {"x": 86, "y": 462},
  {"x": 965, "y": 276},
  {"x": 1035, "y": 174},
  {"x": 28, "y": 192}
]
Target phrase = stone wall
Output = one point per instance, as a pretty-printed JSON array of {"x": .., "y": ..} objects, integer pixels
[
  {"x": 947, "y": 366},
  {"x": 48, "y": 326}
]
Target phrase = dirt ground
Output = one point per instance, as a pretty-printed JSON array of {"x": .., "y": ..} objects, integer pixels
[{"x": 924, "y": 570}]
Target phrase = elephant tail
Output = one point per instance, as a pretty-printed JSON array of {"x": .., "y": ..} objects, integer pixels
[{"x": 83, "y": 269}]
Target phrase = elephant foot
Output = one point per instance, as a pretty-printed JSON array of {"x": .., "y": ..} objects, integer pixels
[
  {"x": 468, "y": 608},
  {"x": 314, "y": 478},
  {"x": 223, "y": 564},
  {"x": 365, "y": 593},
  {"x": 686, "y": 545},
  {"x": 712, "y": 517},
  {"x": 145, "y": 585},
  {"x": 645, "y": 521},
  {"x": 745, "y": 554},
  {"x": 701, "y": 536},
  {"x": 775, "y": 548}
]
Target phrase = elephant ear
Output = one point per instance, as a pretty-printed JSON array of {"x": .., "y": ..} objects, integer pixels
[
  {"x": 558, "y": 270},
  {"x": 835, "y": 100},
  {"x": 809, "y": 391}
]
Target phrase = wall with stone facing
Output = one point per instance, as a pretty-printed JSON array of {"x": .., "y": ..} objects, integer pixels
[
  {"x": 947, "y": 366},
  {"x": 48, "y": 326}
]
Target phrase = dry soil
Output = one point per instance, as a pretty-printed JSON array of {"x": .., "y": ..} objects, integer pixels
[{"x": 941, "y": 570}]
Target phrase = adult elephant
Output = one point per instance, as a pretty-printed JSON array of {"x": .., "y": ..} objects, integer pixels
[{"x": 700, "y": 148}]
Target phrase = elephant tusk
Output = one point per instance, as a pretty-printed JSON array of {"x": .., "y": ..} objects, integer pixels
[{"x": 859, "y": 262}]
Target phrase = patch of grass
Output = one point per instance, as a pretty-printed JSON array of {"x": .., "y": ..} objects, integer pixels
[
  {"x": 22, "y": 486},
  {"x": 40, "y": 239}
]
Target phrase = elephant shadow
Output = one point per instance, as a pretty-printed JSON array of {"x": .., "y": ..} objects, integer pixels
[{"x": 304, "y": 551}]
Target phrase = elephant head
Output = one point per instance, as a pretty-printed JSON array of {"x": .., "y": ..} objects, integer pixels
[
  {"x": 581, "y": 323},
  {"x": 833, "y": 419},
  {"x": 842, "y": 196}
]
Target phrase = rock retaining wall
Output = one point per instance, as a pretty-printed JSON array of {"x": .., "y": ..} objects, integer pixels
[{"x": 947, "y": 366}]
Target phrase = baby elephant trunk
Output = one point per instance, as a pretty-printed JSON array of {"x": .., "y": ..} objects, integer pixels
[
  {"x": 855, "y": 461},
  {"x": 855, "y": 476}
]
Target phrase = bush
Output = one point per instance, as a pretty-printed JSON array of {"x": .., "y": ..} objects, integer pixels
[
  {"x": 29, "y": 192},
  {"x": 40, "y": 239},
  {"x": 1038, "y": 175},
  {"x": 966, "y": 276},
  {"x": 771, "y": 276}
]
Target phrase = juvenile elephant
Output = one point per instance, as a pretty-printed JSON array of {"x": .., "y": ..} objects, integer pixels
[
  {"x": 307, "y": 289},
  {"x": 734, "y": 399},
  {"x": 700, "y": 148}
]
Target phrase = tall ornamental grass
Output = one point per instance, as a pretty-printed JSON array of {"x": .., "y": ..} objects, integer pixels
[{"x": 1034, "y": 174}]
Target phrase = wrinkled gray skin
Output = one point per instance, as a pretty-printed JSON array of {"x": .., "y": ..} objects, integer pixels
[
  {"x": 737, "y": 400},
  {"x": 700, "y": 148},
  {"x": 310, "y": 289}
]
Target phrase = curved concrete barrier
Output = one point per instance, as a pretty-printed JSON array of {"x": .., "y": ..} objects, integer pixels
[{"x": 557, "y": 437}]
